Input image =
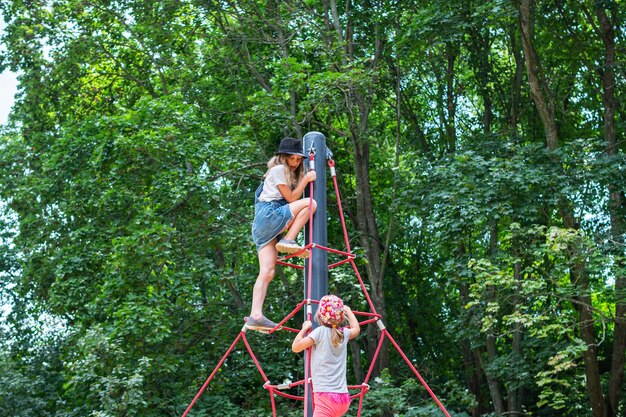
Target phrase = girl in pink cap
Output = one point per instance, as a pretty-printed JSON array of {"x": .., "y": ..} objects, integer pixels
[{"x": 329, "y": 344}]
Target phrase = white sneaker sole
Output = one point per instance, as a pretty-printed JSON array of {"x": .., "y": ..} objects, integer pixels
[{"x": 288, "y": 248}]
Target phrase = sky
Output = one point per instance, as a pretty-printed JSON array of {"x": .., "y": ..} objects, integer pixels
[
  {"x": 8, "y": 88},
  {"x": 8, "y": 85}
]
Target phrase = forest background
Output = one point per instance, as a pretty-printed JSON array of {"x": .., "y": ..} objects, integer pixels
[{"x": 480, "y": 153}]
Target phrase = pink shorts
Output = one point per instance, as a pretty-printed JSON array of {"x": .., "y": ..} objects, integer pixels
[{"x": 330, "y": 404}]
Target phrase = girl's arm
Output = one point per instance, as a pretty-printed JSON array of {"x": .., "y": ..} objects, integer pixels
[
  {"x": 295, "y": 194},
  {"x": 302, "y": 341},
  {"x": 355, "y": 327}
]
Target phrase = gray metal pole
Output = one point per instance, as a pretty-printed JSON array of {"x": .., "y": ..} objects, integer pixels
[{"x": 319, "y": 258}]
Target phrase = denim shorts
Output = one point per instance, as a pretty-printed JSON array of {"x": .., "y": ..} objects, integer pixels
[{"x": 270, "y": 219}]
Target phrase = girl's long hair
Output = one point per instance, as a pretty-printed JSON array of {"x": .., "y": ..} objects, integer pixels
[
  {"x": 292, "y": 177},
  {"x": 336, "y": 336}
]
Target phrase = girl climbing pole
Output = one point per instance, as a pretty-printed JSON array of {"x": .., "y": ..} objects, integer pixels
[
  {"x": 278, "y": 209},
  {"x": 328, "y": 355}
]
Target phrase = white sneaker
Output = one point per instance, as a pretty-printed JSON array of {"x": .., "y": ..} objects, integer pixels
[
  {"x": 288, "y": 246},
  {"x": 263, "y": 324}
]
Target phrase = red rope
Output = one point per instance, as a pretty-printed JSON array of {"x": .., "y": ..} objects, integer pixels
[
  {"x": 289, "y": 264},
  {"x": 349, "y": 255},
  {"x": 307, "y": 372},
  {"x": 258, "y": 366},
  {"x": 361, "y": 398},
  {"x": 367, "y": 295},
  {"x": 366, "y": 314},
  {"x": 310, "y": 264},
  {"x": 273, "y": 402},
  {"x": 331, "y": 164},
  {"x": 364, "y": 322},
  {"x": 290, "y": 385},
  {"x": 293, "y": 313},
  {"x": 417, "y": 374},
  {"x": 336, "y": 264},
  {"x": 230, "y": 349},
  {"x": 256, "y": 362},
  {"x": 373, "y": 361},
  {"x": 307, "y": 362},
  {"x": 290, "y": 396}
]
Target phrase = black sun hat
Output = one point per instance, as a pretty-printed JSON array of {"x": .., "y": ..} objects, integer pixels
[{"x": 290, "y": 146}]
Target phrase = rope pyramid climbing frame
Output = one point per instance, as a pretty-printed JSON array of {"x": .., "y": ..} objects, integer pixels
[{"x": 371, "y": 317}]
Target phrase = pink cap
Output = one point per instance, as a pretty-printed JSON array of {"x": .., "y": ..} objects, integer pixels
[{"x": 330, "y": 310}]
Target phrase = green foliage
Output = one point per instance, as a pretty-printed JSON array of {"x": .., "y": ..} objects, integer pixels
[
  {"x": 141, "y": 130},
  {"x": 408, "y": 399}
]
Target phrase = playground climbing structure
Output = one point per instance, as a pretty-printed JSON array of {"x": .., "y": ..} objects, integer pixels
[{"x": 358, "y": 391}]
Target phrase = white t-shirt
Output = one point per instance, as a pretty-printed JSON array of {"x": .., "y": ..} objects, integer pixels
[
  {"x": 328, "y": 363},
  {"x": 275, "y": 176}
]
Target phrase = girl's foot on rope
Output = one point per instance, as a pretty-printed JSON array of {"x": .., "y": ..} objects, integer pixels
[
  {"x": 305, "y": 254},
  {"x": 262, "y": 324},
  {"x": 288, "y": 246}
]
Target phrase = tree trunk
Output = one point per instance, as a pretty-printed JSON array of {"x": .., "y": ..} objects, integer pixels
[
  {"x": 371, "y": 244},
  {"x": 543, "y": 100},
  {"x": 355, "y": 355},
  {"x": 516, "y": 86},
  {"x": 539, "y": 90},
  {"x": 451, "y": 54},
  {"x": 607, "y": 73},
  {"x": 481, "y": 47},
  {"x": 492, "y": 382},
  {"x": 514, "y": 392},
  {"x": 580, "y": 279},
  {"x": 492, "y": 351},
  {"x": 366, "y": 219},
  {"x": 472, "y": 364}
]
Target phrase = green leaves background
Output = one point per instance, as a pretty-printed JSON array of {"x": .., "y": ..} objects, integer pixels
[{"x": 141, "y": 130}]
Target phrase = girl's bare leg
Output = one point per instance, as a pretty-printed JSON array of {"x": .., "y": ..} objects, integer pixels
[
  {"x": 300, "y": 210},
  {"x": 267, "y": 266}
]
